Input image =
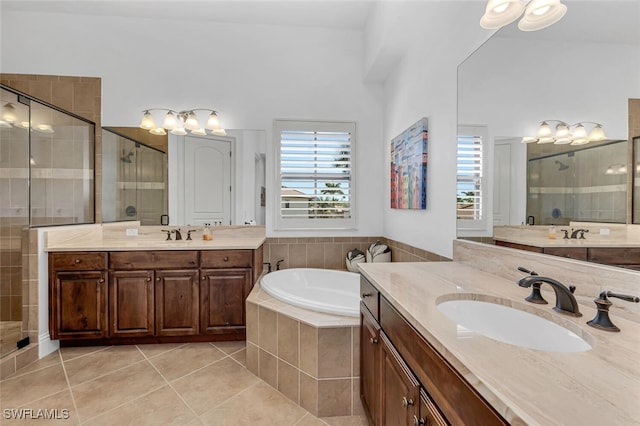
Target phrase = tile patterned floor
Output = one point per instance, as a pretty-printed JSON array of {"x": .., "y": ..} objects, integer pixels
[{"x": 167, "y": 384}]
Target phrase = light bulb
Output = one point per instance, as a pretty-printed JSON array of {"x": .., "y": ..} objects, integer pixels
[
  {"x": 609, "y": 170},
  {"x": 562, "y": 131},
  {"x": 191, "y": 122},
  {"x": 44, "y": 128},
  {"x": 9, "y": 113},
  {"x": 541, "y": 10},
  {"x": 213, "y": 123},
  {"x": 540, "y": 14},
  {"x": 544, "y": 131},
  {"x": 579, "y": 132},
  {"x": 622, "y": 169},
  {"x": 499, "y": 13},
  {"x": 159, "y": 131},
  {"x": 597, "y": 134},
  {"x": 170, "y": 121},
  {"x": 147, "y": 121}
]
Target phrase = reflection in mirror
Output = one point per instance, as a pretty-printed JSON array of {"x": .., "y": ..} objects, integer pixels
[
  {"x": 583, "y": 68},
  {"x": 581, "y": 184},
  {"x": 134, "y": 180},
  {"x": 636, "y": 180}
]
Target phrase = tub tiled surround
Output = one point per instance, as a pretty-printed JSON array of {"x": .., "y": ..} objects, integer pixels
[
  {"x": 310, "y": 357},
  {"x": 330, "y": 252}
]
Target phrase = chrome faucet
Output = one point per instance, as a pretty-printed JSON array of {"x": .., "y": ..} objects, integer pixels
[{"x": 565, "y": 301}]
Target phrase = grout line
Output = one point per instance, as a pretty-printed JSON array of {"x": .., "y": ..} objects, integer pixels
[
  {"x": 73, "y": 398},
  {"x": 102, "y": 349}
]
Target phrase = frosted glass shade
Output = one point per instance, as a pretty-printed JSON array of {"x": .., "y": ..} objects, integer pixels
[
  {"x": 540, "y": 14},
  {"x": 500, "y": 13},
  {"x": 147, "y": 122}
]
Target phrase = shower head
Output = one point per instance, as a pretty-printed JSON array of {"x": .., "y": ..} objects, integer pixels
[
  {"x": 561, "y": 165},
  {"x": 127, "y": 158}
]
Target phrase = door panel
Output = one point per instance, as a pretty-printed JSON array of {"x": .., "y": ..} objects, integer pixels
[
  {"x": 131, "y": 303},
  {"x": 176, "y": 302}
]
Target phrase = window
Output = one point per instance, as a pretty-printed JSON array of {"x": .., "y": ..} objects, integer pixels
[
  {"x": 471, "y": 194},
  {"x": 315, "y": 174}
]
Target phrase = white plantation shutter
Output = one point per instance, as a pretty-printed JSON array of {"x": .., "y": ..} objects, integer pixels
[
  {"x": 469, "y": 177},
  {"x": 315, "y": 171}
]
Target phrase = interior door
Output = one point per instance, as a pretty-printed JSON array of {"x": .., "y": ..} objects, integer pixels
[{"x": 207, "y": 178}]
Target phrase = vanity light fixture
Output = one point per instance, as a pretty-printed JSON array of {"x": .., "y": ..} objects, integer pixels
[
  {"x": 564, "y": 135},
  {"x": 538, "y": 14},
  {"x": 9, "y": 118},
  {"x": 178, "y": 122}
]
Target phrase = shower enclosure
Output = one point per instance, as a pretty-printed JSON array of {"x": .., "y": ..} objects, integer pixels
[
  {"x": 134, "y": 181},
  {"x": 46, "y": 178},
  {"x": 588, "y": 185}
]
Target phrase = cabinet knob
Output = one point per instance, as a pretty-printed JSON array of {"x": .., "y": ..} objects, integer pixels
[
  {"x": 77, "y": 261},
  {"x": 101, "y": 280},
  {"x": 203, "y": 278},
  {"x": 364, "y": 295},
  {"x": 373, "y": 340},
  {"x": 406, "y": 402},
  {"x": 417, "y": 421},
  {"x": 158, "y": 279},
  {"x": 148, "y": 279},
  {"x": 226, "y": 258}
]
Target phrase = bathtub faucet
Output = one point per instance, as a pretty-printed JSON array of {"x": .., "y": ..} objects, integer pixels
[{"x": 278, "y": 264}]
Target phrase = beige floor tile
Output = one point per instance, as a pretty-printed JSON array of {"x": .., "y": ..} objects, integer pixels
[
  {"x": 190, "y": 357},
  {"x": 310, "y": 420},
  {"x": 241, "y": 357},
  {"x": 214, "y": 384},
  {"x": 59, "y": 410},
  {"x": 259, "y": 405},
  {"x": 26, "y": 388},
  {"x": 346, "y": 421},
  {"x": 158, "y": 349},
  {"x": 107, "y": 392},
  {"x": 48, "y": 361},
  {"x": 230, "y": 347},
  {"x": 75, "y": 352},
  {"x": 91, "y": 366},
  {"x": 160, "y": 407}
]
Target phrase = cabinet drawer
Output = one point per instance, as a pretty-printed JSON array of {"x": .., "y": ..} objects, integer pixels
[
  {"x": 617, "y": 256},
  {"x": 78, "y": 261},
  {"x": 458, "y": 401},
  {"x": 169, "y": 259},
  {"x": 226, "y": 259},
  {"x": 370, "y": 297}
]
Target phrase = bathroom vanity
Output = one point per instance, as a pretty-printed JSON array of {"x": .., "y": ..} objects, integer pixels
[
  {"x": 145, "y": 290},
  {"x": 420, "y": 367}
]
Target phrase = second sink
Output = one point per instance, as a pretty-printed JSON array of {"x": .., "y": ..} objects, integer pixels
[{"x": 512, "y": 326}]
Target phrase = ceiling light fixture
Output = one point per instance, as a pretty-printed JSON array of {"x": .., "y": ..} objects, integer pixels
[
  {"x": 538, "y": 14},
  {"x": 564, "y": 135},
  {"x": 182, "y": 122}
]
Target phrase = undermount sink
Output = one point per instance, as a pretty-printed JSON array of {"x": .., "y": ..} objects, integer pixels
[{"x": 512, "y": 326}]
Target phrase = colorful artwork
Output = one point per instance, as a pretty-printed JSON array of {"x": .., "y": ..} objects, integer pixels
[{"x": 409, "y": 157}]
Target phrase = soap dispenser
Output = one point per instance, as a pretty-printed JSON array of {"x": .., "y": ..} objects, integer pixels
[{"x": 206, "y": 232}]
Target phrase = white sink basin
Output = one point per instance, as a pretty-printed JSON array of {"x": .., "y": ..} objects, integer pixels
[{"x": 513, "y": 326}]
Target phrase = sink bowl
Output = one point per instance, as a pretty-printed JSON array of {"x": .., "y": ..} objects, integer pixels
[{"x": 512, "y": 326}]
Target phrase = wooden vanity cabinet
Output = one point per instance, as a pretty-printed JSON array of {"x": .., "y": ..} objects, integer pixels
[
  {"x": 131, "y": 303},
  {"x": 416, "y": 384},
  {"x": 77, "y": 298}
]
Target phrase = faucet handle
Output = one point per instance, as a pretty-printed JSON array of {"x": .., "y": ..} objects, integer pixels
[
  {"x": 527, "y": 271},
  {"x": 601, "y": 320},
  {"x": 566, "y": 234},
  {"x": 189, "y": 234},
  {"x": 168, "y": 234}
]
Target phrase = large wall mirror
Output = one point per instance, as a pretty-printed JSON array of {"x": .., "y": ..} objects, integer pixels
[{"x": 582, "y": 69}]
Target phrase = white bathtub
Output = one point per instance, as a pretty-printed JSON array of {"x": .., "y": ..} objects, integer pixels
[{"x": 323, "y": 290}]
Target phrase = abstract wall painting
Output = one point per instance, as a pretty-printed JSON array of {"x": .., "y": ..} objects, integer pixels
[{"x": 409, "y": 158}]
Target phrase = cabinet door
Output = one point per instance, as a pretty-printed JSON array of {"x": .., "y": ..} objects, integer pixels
[
  {"x": 400, "y": 388},
  {"x": 429, "y": 413},
  {"x": 176, "y": 294},
  {"x": 131, "y": 303},
  {"x": 222, "y": 296},
  {"x": 78, "y": 305},
  {"x": 370, "y": 365}
]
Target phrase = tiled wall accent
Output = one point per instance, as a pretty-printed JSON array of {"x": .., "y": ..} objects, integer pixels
[
  {"x": 316, "y": 367},
  {"x": 330, "y": 252}
]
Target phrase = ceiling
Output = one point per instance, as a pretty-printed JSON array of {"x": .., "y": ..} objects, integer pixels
[
  {"x": 343, "y": 14},
  {"x": 589, "y": 21}
]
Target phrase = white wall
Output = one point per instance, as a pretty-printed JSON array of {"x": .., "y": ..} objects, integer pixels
[
  {"x": 252, "y": 74},
  {"x": 423, "y": 84}
]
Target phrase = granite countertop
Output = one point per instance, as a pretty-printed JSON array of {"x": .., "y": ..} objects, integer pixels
[
  {"x": 98, "y": 238},
  {"x": 526, "y": 386}
]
